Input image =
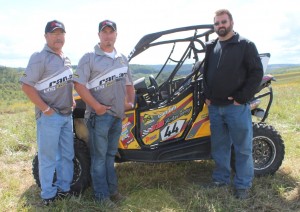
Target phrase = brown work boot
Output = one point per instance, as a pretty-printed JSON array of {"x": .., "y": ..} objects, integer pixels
[
  {"x": 241, "y": 194},
  {"x": 117, "y": 197}
]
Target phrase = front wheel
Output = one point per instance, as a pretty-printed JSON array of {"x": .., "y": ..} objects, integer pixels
[{"x": 81, "y": 176}]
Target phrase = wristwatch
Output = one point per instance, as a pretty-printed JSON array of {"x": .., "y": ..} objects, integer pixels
[
  {"x": 132, "y": 105},
  {"x": 46, "y": 110}
]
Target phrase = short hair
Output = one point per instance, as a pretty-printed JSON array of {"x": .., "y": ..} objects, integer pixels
[{"x": 222, "y": 12}]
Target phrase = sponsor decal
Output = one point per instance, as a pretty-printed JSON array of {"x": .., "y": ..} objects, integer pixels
[
  {"x": 99, "y": 87},
  {"x": 147, "y": 119},
  {"x": 55, "y": 82},
  {"x": 126, "y": 125},
  {"x": 178, "y": 115},
  {"x": 151, "y": 138},
  {"x": 107, "y": 79},
  {"x": 169, "y": 110},
  {"x": 60, "y": 81},
  {"x": 47, "y": 90},
  {"x": 154, "y": 127},
  {"x": 112, "y": 78},
  {"x": 126, "y": 134}
]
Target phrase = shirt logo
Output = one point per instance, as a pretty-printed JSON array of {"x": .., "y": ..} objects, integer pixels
[{"x": 107, "y": 79}]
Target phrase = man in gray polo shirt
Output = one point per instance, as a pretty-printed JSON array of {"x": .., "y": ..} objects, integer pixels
[
  {"x": 104, "y": 82},
  {"x": 47, "y": 82}
]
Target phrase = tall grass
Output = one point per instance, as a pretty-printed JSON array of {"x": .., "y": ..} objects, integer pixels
[{"x": 155, "y": 187}]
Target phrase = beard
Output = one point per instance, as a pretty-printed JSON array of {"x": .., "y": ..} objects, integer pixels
[{"x": 223, "y": 31}]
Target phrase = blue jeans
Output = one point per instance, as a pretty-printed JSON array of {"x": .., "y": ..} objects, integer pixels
[
  {"x": 232, "y": 125},
  {"x": 55, "y": 153},
  {"x": 104, "y": 134}
]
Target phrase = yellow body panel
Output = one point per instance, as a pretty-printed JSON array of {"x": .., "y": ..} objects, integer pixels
[{"x": 201, "y": 126}]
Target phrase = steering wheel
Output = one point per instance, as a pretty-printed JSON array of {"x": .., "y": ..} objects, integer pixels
[
  {"x": 153, "y": 89},
  {"x": 153, "y": 82}
]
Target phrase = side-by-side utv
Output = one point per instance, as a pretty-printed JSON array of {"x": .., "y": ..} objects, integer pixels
[{"x": 170, "y": 120}]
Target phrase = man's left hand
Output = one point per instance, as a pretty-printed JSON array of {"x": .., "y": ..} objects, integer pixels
[{"x": 129, "y": 106}]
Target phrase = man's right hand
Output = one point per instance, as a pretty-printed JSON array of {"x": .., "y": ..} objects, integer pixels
[
  {"x": 87, "y": 97},
  {"x": 49, "y": 112},
  {"x": 101, "y": 109}
]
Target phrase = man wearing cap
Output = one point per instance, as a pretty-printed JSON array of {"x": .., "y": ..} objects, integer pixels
[
  {"x": 47, "y": 82},
  {"x": 104, "y": 82}
]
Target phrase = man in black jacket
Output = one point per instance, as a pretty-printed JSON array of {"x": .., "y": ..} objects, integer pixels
[{"x": 232, "y": 73}]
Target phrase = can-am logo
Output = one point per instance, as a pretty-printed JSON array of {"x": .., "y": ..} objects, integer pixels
[{"x": 60, "y": 81}]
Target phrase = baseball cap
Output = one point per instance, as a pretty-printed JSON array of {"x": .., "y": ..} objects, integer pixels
[
  {"x": 52, "y": 25},
  {"x": 109, "y": 23}
]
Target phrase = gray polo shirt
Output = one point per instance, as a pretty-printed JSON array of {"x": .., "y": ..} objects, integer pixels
[
  {"x": 51, "y": 75},
  {"x": 106, "y": 78}
]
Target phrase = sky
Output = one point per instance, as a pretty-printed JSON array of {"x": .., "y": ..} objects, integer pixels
[{"x": 272, "y": 25}]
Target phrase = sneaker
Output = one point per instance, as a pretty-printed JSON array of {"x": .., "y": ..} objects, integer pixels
[
  {"x": 215, "y": 184},
  {"x": 241, "y": 193},
  {"x": 47, "y": 202},
  {"x": 117, "y": 197}
]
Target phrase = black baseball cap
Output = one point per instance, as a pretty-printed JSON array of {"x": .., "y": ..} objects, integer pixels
[
  {"x": 52, "y": 25},
  {"x": 109, "y": 23}
]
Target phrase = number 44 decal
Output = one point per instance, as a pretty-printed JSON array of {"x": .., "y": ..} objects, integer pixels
[{"x": 171, "y": 130}]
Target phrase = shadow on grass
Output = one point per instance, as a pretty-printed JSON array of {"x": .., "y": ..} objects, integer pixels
[
  {"x": 182, "y": 182},
  {"x": 176, "y": 187},
  {"x": 31, "y": 201}
]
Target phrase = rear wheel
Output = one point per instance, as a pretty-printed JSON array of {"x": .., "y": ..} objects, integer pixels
[
  {"x": 268, "y": 150},
  {"x": 81, "y": 176}
]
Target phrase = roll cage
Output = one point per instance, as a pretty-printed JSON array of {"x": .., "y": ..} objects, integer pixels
[{"x": 174, "y": 82}]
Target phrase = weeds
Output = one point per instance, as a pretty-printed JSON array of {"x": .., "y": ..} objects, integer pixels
[{"x": 155, "y": 187}]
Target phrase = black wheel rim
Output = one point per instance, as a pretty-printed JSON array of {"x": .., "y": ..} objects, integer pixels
[{"x": 264, "y": 152}]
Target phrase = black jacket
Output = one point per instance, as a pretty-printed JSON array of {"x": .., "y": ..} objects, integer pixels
[{"x": 238, "y": 74}]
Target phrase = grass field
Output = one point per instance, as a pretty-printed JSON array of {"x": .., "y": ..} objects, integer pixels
[{"x": 154, "y": 187}]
